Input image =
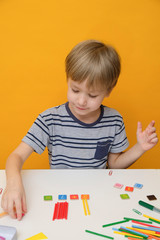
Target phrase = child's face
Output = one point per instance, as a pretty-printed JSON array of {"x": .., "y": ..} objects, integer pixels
[{"x": 84, "y": 102}]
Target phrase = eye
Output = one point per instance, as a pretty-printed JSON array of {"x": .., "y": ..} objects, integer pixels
[
  {"x": 75, "y": 90},
  {"x": 92, "y": 96}
]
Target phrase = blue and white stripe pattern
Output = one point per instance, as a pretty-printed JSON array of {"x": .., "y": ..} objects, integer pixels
[{"x": 74, "y": 144}]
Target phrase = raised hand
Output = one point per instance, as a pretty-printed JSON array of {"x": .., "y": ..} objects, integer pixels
[{"x": 147, "y": 139}]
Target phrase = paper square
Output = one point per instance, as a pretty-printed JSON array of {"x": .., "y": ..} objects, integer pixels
[
  {"x": 85, "y": 196},
  {"x": 62, "y": 197},
  {"x": 138, "y": 185},
  {"x": 118, "y": 185},
  {"x": 124, "y": 196},
  {"x": 74, "y": 197},
  {"x": 48, "y": 198},
  {"x": 129, "y": 189},
  {"x": 151, "y": 197}
]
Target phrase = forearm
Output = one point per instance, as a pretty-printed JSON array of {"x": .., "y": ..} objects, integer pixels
[
  {"x": 126, "y": 159},
  {"x": 13, "y": 167}
]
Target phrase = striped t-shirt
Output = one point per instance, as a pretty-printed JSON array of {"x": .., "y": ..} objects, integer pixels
[{"x": 74, "y": 144}]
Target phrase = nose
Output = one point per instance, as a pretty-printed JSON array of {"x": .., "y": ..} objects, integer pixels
[{"x": 82, "y": 100}]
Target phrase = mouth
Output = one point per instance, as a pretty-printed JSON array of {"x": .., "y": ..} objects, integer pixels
[{"x": 80, "y": 108}]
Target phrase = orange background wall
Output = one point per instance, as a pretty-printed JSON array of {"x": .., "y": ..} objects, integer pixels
[{"x": 36, "y": 36}]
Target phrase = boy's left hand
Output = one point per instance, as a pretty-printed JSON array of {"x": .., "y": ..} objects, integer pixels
[{"x": 147, "y": 138}]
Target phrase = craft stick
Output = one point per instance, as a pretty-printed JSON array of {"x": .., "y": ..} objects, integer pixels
[
  {"x": 98, "y": 234},
  {"x": 85, "y": 212},
  {"x": 114, "y": 223},
  {"x": 66, "y": 210},
  {"x": 144, "y": 215},
  {"x": 154, "y": 221},
  {"x": 138, "y": 220},
  {"x": 142, "y": 230},
  {"x": 61, "y": 210},
  {"x": 145, "y": 224},
  {"x": 150, "y": 235},
  {"x": 134, "y": 232},
  {"x": 3, "y": 214},
  {"x": 145, "y": 228},
  {"x": 55, "y": 212},
  {"x": 127, "y": 234},
  {"x": 87, "y": 206},
  {"x": 133, "y": 238}
]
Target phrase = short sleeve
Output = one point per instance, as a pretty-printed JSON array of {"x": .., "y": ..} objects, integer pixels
[
  {"x": 120, "y": 142},
  {"x": 38, "y": 135}
]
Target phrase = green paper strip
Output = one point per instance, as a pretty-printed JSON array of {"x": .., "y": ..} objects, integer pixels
[
  {"x": 98, "y": 234},
  {"x": 114, "y": 223}
]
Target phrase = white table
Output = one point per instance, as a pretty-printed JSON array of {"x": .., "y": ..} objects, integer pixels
[{"x": 105, "y": 203}]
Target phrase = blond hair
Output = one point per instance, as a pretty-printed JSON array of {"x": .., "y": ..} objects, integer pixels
[{"x": 95, "y": 61}]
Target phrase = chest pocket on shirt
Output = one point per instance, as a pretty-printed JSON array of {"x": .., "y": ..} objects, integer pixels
[{"x": 102, "y": 149}]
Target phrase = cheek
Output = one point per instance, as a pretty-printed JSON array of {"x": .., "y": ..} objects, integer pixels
[{"x": 69, "y": 95}]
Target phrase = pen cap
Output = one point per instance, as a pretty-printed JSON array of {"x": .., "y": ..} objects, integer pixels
[{"x": 146, "y": 205}]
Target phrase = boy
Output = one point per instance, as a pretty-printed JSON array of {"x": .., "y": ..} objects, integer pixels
[{"x": 81, "y": 133}]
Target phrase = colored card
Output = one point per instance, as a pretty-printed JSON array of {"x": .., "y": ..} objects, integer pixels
[
  {"x": 39, "y": 236},
  {"x": 74, "y": 197},
  {"x": 124, "y": 196},
  {"x": 151, "y": 197},
  {"x": 138, "y": 185},
  {"x": 118, "y": 185},
  {"x": 48, "y": 198},
  {"x": 85, "y": 196},
  {"x": 129, "y": 189},
  {"x": 62, "y": 197}
]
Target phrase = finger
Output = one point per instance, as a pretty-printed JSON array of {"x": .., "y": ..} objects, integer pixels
[
  {"x": 10, "y": 210},
  {"x": 152, "y": 130},
  {"x": 154, "y": 140},
  {"x": 24, "y": 205},
  {"x": 139, "y": 127},
  {"x": 18, "y": 209},
  {"x": 151, "y": 124},
  {"x": 152, "y": 136}
]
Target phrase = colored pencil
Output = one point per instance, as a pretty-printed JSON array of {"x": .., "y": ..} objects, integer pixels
[
  {"x": 114, "y": 223},
  {"x": 98, "y": 234}
]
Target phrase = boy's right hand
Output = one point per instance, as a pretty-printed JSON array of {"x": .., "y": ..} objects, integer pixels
[{"x": 14, "y": 200}]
